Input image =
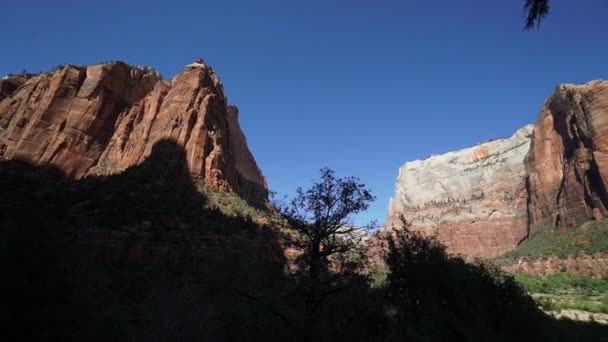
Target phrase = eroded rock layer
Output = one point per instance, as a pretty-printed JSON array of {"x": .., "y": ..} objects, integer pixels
[
  {"x": 582, "y": 265},
  {"x": 473, "y": 200},
  {"x": 568, "y": 159},
  {"x": 102, "y": 119}
]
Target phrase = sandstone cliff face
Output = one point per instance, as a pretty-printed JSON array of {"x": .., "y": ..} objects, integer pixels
[
  {"x": 568, "y": 159},
  {"x": 102, "y": 119},
  {"x": 473, "y": 200}
]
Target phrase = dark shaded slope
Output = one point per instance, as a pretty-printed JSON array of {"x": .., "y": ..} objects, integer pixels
[
  {"x": 134, "y": 256},
  {"x": 139, "y": 256}
]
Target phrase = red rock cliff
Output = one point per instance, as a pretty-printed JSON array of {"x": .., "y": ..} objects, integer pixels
[
  {"x": 104, "y": 118},
  {"x": 567, "y": 164}
]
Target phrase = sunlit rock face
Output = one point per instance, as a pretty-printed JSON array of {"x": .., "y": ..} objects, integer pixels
[
  {"x": 473, "y": 200},
  {"x": 568, "y": 159},
  {"x": 102, "y": 119},
  {"x": 481, "y": 201}
]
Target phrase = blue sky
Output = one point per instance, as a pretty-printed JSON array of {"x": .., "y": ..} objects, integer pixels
[{"x": 358, "y": 86}]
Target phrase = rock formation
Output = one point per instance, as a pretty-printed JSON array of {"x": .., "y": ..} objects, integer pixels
[
  {"x": 568, "y": 159},
  {"x": 473, "y": 200},
  {"x": 582, "y": 265},
  {"x": 102, "y": 119},
  {"x": 483, "y": 200}
]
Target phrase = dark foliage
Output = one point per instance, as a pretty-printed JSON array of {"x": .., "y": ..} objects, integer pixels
[
  {"x": 140, "y": 256},
  {"x": 331, "y": 254},
  {"x": 436, "y": 297},
  {"x": 432, "y": 296},
  {"x": 535, "y": 11},
  {"x": 135, "y": 256}
]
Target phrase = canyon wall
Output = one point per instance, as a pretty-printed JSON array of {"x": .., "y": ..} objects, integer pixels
[
  {"x": 102, "y": 119},
  {"x": 483, "y": 200},
  {"x": 568, "y": 159},
  {"x": 473, "y": 200}
]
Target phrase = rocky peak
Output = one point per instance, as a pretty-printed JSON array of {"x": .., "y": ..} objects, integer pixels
[{"x": 104, "y": 118}]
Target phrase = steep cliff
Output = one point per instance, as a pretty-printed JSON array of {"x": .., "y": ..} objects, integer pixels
[
  {"x": 484, "y": 200},
  {"x": 473, "y": 200},
  {"x": 568, "y": 159},
  {"x": 102, "y": 119}
]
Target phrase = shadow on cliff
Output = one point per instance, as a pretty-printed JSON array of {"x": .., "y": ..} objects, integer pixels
[
  {"x": 134, "y": 256},
  {"x": 141, "y": 256}
]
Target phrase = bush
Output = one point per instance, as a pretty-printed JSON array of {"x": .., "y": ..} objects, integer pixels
[{"x": 437, "y": 297}]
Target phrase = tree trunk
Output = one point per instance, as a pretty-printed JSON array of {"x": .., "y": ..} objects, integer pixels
[{"x": 313, "y": 302}]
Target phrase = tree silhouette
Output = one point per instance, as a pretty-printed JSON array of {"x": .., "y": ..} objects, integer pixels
[
  {"x": 321, "y": 218},
  {"x": 535, "y": 11},
  {"x": 433, "y": 296}
]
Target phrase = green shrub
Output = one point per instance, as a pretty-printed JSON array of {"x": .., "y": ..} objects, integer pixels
[
  {"x": 562, "y": 283},
  {"x": 378, "y": 275},
  {"x": 230, "y": 203},
  {"x": 594, "y": 304}
]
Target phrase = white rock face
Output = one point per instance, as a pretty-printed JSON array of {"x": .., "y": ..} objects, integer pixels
[
  {"x": 472, "y": 199},
  {"x": 462, "y": 174}
]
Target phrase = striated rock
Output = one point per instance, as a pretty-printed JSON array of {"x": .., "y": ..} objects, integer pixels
[
  {"x": 583, "y": 265},
  {"x": 568, "y": 159},
  {"x": 473, "y": 200},
  {"x": 102, "y": 119}
]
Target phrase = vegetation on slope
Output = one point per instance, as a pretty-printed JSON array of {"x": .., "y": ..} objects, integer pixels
[
  {"x": 231, "y": 204},
  {"x": 587, "y": 238},
  {"x": 563, "y": 291},
  {"x": 592, "y": 304},
  {"x": 563, "y": 283}
]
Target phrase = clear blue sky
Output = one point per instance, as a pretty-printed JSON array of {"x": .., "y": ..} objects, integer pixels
[{"x": 359, "y": 86}]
